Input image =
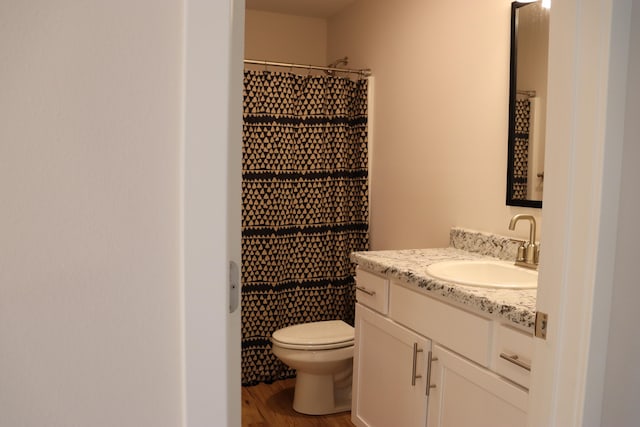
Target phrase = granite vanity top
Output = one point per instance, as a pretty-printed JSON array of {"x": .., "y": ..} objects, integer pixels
[{"x": 409, "y": 267}]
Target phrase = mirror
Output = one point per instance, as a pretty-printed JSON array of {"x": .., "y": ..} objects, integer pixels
[{"x": 527, "y": 103}]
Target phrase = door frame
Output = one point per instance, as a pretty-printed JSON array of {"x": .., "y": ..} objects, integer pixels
[
  {"x": 588, "y": 58},
  {"x": 584, "y": 128},
  {"x": 211, "y": 210}
]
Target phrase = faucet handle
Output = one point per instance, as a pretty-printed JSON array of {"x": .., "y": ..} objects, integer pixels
[
  {"x": 520, "y": 257},
  {"x": 523, "y": 243}
]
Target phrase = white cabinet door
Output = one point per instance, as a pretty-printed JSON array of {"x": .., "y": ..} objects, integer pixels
[
  {"x": 466, "y": 394},
  {"x": 385, "y": 358}
]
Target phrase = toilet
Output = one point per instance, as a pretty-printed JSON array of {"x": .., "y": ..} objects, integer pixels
[{"x": 322, "y": 354}]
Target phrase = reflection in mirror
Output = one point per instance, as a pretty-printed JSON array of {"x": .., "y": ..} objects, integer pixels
[{"x": 527, "y": 103}]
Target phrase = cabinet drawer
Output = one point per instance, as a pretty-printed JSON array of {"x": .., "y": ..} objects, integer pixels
[
  {"x": 512, "y": 354},
  {"x": 465, "y": 333},
  {"x": 372, "y": 291}
]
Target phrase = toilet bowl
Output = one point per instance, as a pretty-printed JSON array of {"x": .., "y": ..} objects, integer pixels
[{"x": 322, "y": 354}]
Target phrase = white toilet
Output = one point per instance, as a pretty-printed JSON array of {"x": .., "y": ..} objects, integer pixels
[{"x": 322, "y": 354}]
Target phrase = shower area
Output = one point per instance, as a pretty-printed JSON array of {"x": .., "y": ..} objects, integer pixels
[
  {"x": 525, "y": 158},
  {"x": 304, "y": 201}
]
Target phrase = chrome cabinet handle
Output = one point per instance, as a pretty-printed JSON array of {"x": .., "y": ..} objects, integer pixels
[
  {"x": 365, "y": 290},
  {"x": 513, "y": 358},
  {"x": 414, "y": 376},
  {"x": 430, "y": 359}
]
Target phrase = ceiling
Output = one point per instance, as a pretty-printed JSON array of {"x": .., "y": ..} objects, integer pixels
[{"x": 311, "y": 8}]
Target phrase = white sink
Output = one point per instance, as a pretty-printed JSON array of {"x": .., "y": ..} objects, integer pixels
[{"x": 485, "y": 273}]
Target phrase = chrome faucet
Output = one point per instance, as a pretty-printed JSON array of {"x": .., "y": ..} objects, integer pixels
[{"x": 529, "y": 251}]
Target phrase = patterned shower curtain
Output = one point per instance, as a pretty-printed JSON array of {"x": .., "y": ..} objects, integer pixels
[
  {"x": 304, "y": 207},
  {"x": 521, "y": 149}
]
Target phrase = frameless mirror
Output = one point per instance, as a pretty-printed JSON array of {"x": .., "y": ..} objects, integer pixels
[{"x": 527, "y": 103}]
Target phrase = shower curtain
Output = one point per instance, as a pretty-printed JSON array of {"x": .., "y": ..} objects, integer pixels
[
  {"x": 521, "y": 149},
  {"x": 304, "y": 206}
]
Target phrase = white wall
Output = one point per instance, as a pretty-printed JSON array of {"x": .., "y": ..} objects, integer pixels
[
  {"x": 285, "y": 38},
  {"x": 441, "y": 104},
  {"x": 90, "y": 142},
  {"x": 622, "y": 379}
]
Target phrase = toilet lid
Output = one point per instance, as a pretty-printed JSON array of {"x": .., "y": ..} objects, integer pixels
[{"x": 316, "y": 335}]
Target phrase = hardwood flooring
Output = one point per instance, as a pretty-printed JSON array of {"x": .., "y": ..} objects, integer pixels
[{"x": 270, "y": 405}]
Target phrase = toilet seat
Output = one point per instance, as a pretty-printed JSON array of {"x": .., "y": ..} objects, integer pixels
[{"x": 325, "y": 335}]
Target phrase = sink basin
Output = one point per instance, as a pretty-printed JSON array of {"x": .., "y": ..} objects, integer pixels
[{"x": 485, "y": 273}]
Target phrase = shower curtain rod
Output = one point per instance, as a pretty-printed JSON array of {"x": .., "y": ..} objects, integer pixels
[
  {"x": 529, "y": 93},
  {"x": 364, "y": 72}
]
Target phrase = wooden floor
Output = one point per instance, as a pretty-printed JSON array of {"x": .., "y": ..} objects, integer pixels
[{"x": 270, "y": 405}]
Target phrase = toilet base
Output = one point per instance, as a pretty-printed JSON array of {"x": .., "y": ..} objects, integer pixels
[{"x": 322, "y": 394}]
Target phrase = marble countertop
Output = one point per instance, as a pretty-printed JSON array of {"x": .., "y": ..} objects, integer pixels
[{"x": 409, "y": 267}]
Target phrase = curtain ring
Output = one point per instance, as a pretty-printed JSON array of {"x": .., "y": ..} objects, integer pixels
[{"x": 266, "y": 65}]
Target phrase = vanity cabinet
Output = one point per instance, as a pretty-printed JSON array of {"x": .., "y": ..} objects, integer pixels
[
  {"x": 399, "y": 331},
  {"x": 389, "y": 374}
]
